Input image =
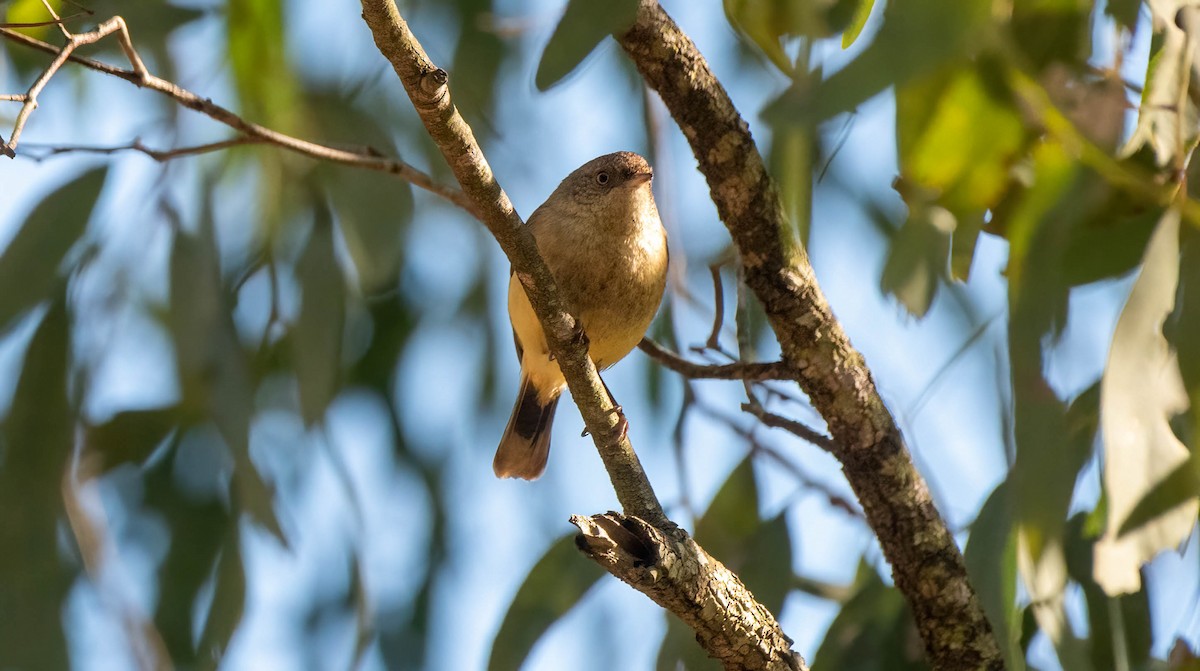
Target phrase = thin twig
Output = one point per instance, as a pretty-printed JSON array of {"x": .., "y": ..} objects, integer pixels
[
  {"x": 741, "y": 370},
  {"x": 160, "y": 155},
  {"x": 714, "y": 341},
  {"x": 367, "y": 159},
  {"x": 792, "y": 426}
]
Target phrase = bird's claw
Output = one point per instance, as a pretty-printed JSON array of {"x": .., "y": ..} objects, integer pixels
[{"x": 620, "y": 430}]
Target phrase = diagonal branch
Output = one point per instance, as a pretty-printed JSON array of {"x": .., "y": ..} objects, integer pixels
[
  {"x": 426, "y": 85},
  {"x": 642, "y": 546},
  {"x": 368, "y": 159},
  {"x": 926, "y": 562}
]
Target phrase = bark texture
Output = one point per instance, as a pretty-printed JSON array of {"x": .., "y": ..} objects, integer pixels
[
  {"x": 665, "y": 564},
  {"x": 643, "y": 548},
  {"x": 427, "y": 87},
  {"x": 926, "y": 563}
]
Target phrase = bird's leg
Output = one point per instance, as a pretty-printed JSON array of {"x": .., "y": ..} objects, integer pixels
[{"x": 622, "y": 427}]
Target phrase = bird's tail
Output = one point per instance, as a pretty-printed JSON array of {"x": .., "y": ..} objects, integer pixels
[{"x": 526, "y": 443}]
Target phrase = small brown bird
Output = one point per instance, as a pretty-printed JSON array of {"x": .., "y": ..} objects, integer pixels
[{"x": 604, "y": 243}]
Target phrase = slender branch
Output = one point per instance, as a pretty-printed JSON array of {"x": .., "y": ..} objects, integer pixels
[
  {"x": 714, "y": 338},
  {"x": 792, "y": 426},
  {"x": 926, "y": 562},
  {"x": 426, "y": 85},
  {"x": 740, "y": 370},
  {"x": 659, "y": 558},
  {"x": 160, "y": 155},
  {"x": 367, "y": 159}
]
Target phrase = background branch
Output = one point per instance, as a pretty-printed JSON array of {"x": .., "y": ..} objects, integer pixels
[
  {"x": 739, "y": 370},
  {"x": 926, "y": 562},
  {"x": 369, "y": 159}
]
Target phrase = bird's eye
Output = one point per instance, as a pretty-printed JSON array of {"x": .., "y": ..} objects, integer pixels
[{"x": 602, "y": 178}]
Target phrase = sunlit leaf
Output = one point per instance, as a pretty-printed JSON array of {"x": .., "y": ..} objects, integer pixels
[
  {"x": 583, "y": 25},
  {"x": 35, "y": 443},
  {"x": 1140, "y": 392},
  {"x": 915, "y": 38},
  {"x": 317, "y": 336},
  {"x": 555, "y": 584},
  {"x": 29, "y": 266},
  {"x": 32, "y": 11},
  {"x": 874, "y": 631},
  {"x": 1167, "y": 121},
  {"x": 861, "y": 13}
]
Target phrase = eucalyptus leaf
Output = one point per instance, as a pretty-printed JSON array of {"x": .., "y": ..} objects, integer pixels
[
  {"x": 1140, "y": 392},
  {"x": 35, "y": 444},
  {"x": 583, "y": 25},
  {"x": 212, "y": 367},
  {"x": 553, "y": 587},
  {"x": 30, "y": 264},
  {"x": 317, "y": 335}
]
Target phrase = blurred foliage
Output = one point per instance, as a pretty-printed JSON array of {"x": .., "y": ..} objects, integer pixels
[{"x": 1015, "y": 122}]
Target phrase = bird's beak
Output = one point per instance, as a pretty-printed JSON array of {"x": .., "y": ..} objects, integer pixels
[{"x": 639, "y": 178}]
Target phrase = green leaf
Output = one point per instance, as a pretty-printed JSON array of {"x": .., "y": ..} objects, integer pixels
[
  {"x": 758, "y": 552},
  {"x": 583, "y": 25},
  {"x": 991, "y": 559},
  {"x": 228, "y": 603},
  {"x": 213, "y": 373},
  {"x": 791, "y": 164},
  {"x": 29, "y": 266},
  {"x": 1116, "y": 625},
  {"x": 1052, "y": 30},
  {"x": 1124, "y": 12},
  {"x": 874, "y": 631},
  {"x": 478, "y": 57},
  {"x": 918, "y": 257},
  {"x": 373, "y": 209},
  {"x": 861, "y": 13},
  {"x": 130, "y": 436},
  {"x": 555, "y": 584},
  {"x": 1140, "y": 392},
  {"x": 732, "y": 518},
  {"x": 317, "y": 336},
  {"x": 198, "y": 527},
  {"x": 1180, "y": 331},
  {"x": 35, "y": 443},
  {"x": 1177, "y": 488},
  {"x": 1109, "y": 242},
  {"x": 916, "y": 38},
  {"x": 266, "y": 86}
]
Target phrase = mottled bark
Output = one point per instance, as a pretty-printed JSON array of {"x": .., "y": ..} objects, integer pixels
[
  {"x": 731, "y": 626},
  {"x": 926, "y": 563},
  {"x": 427, "y": 87},
  {"x": 665, "y": 564}
]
